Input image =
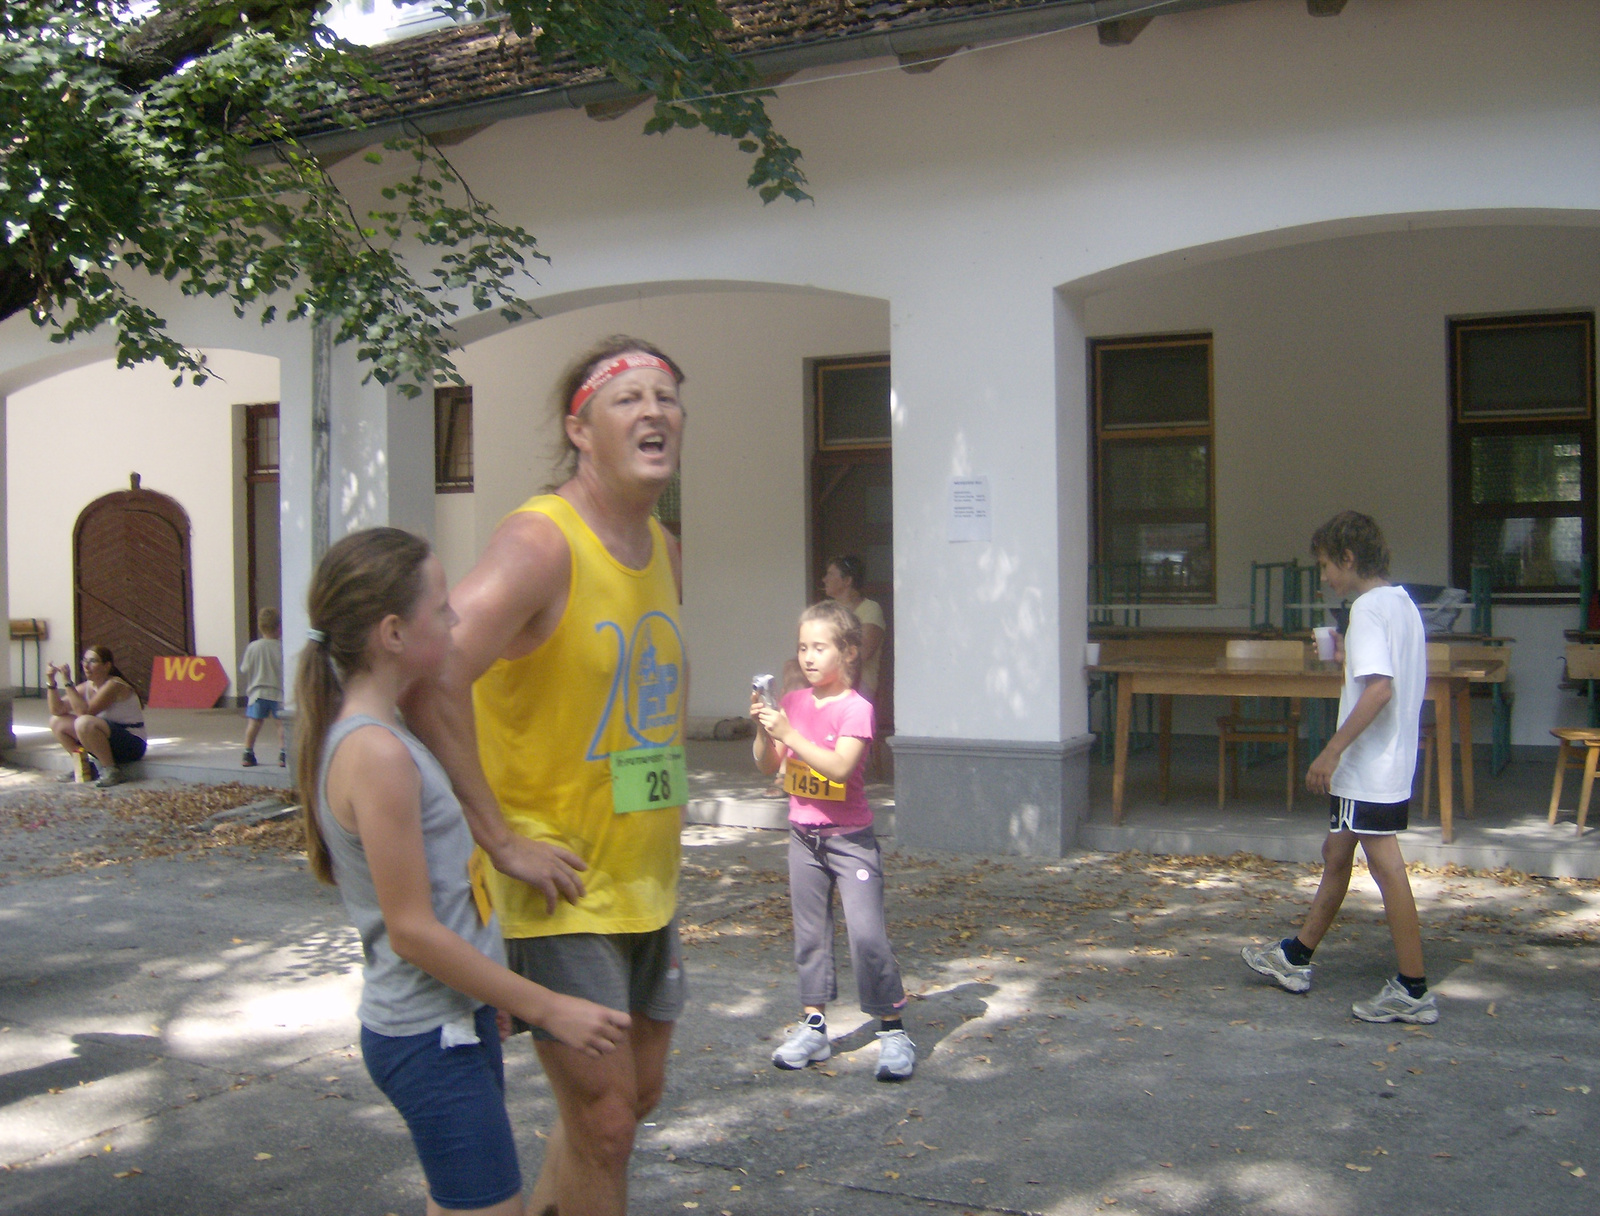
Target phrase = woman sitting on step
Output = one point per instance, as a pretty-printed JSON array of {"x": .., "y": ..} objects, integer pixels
[{"x": 102, "y": 716}]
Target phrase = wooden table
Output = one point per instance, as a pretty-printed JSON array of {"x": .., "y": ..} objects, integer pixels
[{"x": 1449, "y": 688}]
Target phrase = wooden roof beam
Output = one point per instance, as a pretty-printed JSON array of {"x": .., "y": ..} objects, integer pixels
[{"x": 1122, "y": 30}]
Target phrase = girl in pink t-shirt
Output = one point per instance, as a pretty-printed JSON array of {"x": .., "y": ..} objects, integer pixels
[{"x": 819, "y": 737}]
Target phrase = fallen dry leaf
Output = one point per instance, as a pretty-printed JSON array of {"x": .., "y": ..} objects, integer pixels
[
  {"x": 1360, "y": 1169},
  {"x": 1490, "y": 1011},
  {"x": 891, "y": 1173},
  {"x": 1580, "y": 1172},
  {"x": 263, "y": 1156}
]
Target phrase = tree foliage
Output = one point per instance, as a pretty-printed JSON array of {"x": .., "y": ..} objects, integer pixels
[{"x": 167, "y": 141}]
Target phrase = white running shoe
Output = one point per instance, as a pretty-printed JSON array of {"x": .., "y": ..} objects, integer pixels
[
  {"x": 804, "y": 1046},
  {"x": 1395, "y": 1004},
  {"x": 897, "y": 1055},
  {"x": 1271, "y": 962}
]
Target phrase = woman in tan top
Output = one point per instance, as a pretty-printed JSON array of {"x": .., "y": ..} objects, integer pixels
[{"x": 842, "y": 582}]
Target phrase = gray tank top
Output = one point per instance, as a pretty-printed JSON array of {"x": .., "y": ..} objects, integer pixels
[{"x": 398, "y": 998}]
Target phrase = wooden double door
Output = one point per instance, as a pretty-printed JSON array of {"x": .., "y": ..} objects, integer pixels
[{"x": 132, "y": 589}]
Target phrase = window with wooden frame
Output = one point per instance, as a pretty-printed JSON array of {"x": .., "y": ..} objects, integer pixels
[
  {"x": 1522, "y": 451},
  {"x": 852, "y": 399},
  {"x": 1154, "y": 500},
  {"x": 261, "y": 442},
  {"x": 452, "y": 440}
]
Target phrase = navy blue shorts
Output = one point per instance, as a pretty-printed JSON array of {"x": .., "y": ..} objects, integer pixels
[
  {"x": 1367, "y": 818},
  {"x": 453, "y": 1100},
  {"x": 261, "y": 709},
  {"x": 126, "y": 747}
]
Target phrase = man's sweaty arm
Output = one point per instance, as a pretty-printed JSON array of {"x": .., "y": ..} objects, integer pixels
[{"x": 510, "y": 603}]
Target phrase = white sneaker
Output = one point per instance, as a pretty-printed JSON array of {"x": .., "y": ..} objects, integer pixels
[
  {"x": 1395, "y": 1004},
  {"x": 1271, "y": 962},
  {"x": 804, "y": 1046},
  {"x": 897, "y": 1055}
]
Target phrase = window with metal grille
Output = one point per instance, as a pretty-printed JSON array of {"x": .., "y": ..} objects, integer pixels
[
  {"x": 669, "y": 507},
  {"x": 452, "y": 440},
  {"x": 1155, "y": 518},
  {"x": 1522, "y": 399},
  {"x": 852, "y": 397},
  {"x": 261, "y": 442}
]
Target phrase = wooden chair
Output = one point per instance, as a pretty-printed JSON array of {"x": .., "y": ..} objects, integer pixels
[
  {"x": 1235, "y": 728},
  {"x": 1572, "y": 738}
]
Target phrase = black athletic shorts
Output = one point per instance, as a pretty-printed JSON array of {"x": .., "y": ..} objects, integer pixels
[{"x": 1367, "y": 818}]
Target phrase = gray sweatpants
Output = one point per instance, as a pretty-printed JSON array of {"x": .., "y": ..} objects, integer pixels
[{"x": 853, "y": 863}]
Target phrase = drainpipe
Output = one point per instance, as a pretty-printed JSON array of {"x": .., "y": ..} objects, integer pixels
[{"x": 321, "y": 402}]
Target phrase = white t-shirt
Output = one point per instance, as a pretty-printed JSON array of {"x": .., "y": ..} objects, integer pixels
[{"x": 1385, "y": 638}]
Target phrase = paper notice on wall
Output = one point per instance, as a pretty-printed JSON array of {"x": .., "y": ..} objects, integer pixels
[{"x": 969, "y": 509}]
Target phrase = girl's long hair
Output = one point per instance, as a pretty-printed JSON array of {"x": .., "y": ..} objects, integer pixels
[
  {"x": 846, "y": 633},
  {"x": 103, "y": 653},
  {"x": 362, "y": 579}
]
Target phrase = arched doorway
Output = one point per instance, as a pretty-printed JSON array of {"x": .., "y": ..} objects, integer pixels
[{"x": 131, "y": 585}]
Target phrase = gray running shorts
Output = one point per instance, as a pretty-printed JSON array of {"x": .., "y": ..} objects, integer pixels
[{"x": 630, "y": 972}]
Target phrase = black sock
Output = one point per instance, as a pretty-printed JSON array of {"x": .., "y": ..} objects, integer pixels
[
  {"x": 817, "y": 1022},
  {"x": 886, "y": 1024},
  {"x": 1415, "y": 987},
  {"x": 1296, "y": 951}
]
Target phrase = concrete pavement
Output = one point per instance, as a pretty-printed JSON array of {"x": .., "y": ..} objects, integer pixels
[{"x": 176, "y": 1037}]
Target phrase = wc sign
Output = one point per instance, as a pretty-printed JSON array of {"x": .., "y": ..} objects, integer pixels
[{"x": 186, "y": 681}]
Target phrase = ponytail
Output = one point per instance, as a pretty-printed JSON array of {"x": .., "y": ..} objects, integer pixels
[
  {"x": 317, "y": 698},
  {"x": 364, "y": 578}
]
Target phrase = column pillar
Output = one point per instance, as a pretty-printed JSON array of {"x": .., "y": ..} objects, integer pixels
[
  {"x": 8, "y": 739},
  {"x": 381, "y": 453},
  {"x": 992, "y": 754}
]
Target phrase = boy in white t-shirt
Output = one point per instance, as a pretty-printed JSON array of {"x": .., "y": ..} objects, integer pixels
[
  {"x": 1367, "y": 767},
  {"x": 262, "y": 672}
]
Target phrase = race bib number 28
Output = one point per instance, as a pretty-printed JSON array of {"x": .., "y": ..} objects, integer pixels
[{"x": 648, "y": 778}]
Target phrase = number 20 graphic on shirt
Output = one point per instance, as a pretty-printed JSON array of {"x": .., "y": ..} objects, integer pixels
[{"x": 648, "y": 683}]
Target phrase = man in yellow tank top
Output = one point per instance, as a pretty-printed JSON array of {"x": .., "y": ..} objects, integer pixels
[{"x": 560, "y": 721}]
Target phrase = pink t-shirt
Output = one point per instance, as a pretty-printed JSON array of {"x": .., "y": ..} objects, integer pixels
[{"x": 848, "y": 717}]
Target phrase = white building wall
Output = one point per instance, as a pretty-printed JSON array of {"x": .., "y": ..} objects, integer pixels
[
  {"x": 745, "y": 500},
  {"x": 966, "y": 196},
  {"x": 1331, "y": 392},
  {"x": 78, "y": 435}
]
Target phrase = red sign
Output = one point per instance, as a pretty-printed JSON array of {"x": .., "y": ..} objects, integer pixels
[{"x": 186, "y": 681}]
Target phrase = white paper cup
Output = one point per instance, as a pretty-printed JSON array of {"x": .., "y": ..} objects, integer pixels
[
  {"x": 1325, "y": 641},
  {"x": 1091, "y": 654}
]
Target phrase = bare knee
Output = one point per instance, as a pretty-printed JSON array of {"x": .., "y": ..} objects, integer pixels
[
  {"x": 602, "y": 1132},
  {"x": 88, "y": 724},
  {"x": 1387, "y": 868},
  {"x": 649, "y": 1094},
  {"x": 1337, "y": 855},
  {"x": 62, "y": 725}
]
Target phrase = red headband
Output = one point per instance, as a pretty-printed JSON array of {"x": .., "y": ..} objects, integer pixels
[{"x": 624, "y": 363}]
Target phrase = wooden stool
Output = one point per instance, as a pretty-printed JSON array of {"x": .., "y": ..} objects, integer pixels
[
  {"x": 1427, "y": 743},
  {"x": 1573, "y": 737}
]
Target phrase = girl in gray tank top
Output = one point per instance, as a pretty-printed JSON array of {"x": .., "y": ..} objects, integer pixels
[{"x": 383, "y": 824}]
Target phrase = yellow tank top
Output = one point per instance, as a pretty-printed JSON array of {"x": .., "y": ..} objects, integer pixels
[{"x": 610, "y": 678}]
